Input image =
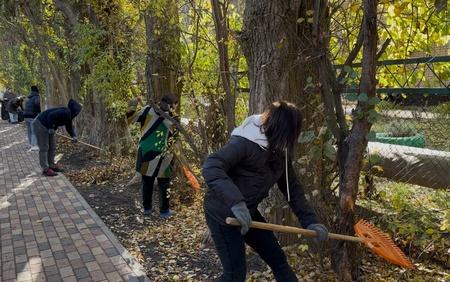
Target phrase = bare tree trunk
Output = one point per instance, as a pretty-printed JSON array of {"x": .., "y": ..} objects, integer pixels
[
  {"x": 345, "y": 261},
  {"x": 283, "y": 55},
  {"x": 269, "y": 43},
  {"x": 163, "y": 54},
  {"x": 221, "y": 26}
]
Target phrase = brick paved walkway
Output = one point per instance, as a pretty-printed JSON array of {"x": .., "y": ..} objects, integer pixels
[{"x": 47, "y": 230}]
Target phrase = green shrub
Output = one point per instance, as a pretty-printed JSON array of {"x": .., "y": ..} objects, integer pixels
[
  {"x": 418, "y": 218},
  {"x": 399, "y": 129}
]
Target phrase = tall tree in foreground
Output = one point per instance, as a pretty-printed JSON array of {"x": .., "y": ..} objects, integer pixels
[
  {"x": 283, "y": 42},
  {"x": 286, "y": 44},
  {"x": 162, "y": 69}
]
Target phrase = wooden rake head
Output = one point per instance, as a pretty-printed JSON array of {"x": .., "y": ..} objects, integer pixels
[{"x": 381, "y": 243}]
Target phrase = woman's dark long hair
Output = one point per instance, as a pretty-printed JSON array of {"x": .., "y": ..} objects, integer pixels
[{"x": 282, "y": 124}]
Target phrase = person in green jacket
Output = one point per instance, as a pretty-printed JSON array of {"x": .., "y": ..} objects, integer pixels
[{"x": 153, "y": 158}]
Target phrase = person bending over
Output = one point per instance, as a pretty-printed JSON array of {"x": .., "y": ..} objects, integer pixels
[
  {"x": 240, "y": 175},
  {"x": 14, "y": 107},
  {"x": 44, "y": 127}
]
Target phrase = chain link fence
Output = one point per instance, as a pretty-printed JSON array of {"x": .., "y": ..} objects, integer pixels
[{"x": 410, "y": 141}]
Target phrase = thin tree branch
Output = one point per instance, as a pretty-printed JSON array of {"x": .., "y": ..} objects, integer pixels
[{"x": 383, "y": 48}]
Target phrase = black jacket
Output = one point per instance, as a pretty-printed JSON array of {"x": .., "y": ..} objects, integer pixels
[
  {"x": 244, "y": 171},
  {"x": 4, "y": 103},
  {"x": 52, "y": 118},
  {"x": 32, "y": 105},
  {"x": 14, "y": 104}
]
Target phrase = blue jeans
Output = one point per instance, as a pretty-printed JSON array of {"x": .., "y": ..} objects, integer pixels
[
  {"x": 31, "y": 135},
  {"x": 13, "y": 117},
  {"x": 230, "y": 246}
]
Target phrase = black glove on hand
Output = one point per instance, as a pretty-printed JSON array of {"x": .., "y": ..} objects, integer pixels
[
  {"x": 322, "y": 232},
  {"x": 242, "y": 214}
]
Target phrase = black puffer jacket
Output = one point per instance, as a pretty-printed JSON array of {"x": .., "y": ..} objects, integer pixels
[
  {"x": 63, "y": 116},
  {"x": 32, "y": 105},
  {"x": 243, "y": 170}
]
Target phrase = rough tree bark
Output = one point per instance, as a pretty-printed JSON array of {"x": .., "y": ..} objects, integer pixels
[
  {"x": 344, "y": 261},
  {"x": 269, "y": 43},
  {"x": 163, "y": 54},
  {"x": 284, "y": 42}
]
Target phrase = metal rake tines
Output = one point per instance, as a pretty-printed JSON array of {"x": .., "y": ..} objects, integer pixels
[{"x": 381, "y": 243}]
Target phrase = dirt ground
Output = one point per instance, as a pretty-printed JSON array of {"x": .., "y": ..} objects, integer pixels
[
  {"x": 169, "y": 249},
  {"x": 172, "y": 249}
]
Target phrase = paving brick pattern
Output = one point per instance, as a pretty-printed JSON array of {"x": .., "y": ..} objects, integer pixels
[{"x": 47, "y": 230}]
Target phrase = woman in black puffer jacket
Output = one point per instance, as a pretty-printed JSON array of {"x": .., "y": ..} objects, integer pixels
[{"x": 239, "y": 177}]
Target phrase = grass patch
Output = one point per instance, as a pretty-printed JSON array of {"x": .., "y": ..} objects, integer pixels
[{"x": 418, "y": 217}]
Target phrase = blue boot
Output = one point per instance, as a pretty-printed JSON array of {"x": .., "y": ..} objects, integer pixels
[
  {"x": 166, "y": 214},
  {"x": 147, "y": 212}
]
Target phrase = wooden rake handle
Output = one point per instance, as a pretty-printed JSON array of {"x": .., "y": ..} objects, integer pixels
[
  {"x": 291, "y": 229},
  {"x": 81, "y": 142}
]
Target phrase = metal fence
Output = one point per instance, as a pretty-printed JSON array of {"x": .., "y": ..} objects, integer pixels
[{"x": 410, "y": 142}]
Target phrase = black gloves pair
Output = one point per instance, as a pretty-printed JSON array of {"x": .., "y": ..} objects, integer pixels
[{"x": 242, "y": 214}]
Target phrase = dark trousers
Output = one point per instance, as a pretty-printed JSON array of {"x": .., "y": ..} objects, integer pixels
[
  {"x": 230, "y": 246},
  {"x": 46, "y": 143},
  {"x": 147, "y": 192},
  {"x": 4, "y": 112}
]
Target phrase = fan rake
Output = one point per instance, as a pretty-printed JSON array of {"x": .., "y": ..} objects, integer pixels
[{"x": 366, "y": 233}]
